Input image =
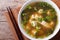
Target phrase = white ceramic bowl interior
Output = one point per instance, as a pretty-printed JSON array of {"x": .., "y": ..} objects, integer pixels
[{"x": 58, "y": 14}]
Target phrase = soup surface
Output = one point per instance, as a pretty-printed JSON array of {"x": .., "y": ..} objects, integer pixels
[{"x": 39, "y": 19}]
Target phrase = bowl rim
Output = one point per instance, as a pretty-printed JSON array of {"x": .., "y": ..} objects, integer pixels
[{"x": 56, "y": 29}]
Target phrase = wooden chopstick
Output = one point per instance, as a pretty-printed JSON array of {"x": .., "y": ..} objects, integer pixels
[{"x": 16, "y": 27}]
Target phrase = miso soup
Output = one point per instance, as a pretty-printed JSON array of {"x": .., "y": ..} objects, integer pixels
[{"x": 39, "y": 19}]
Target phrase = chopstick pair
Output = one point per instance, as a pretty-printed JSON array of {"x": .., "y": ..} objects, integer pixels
[{"x": 16, "y": 27}]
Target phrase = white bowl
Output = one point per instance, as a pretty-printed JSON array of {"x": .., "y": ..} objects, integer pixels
[{"x": 58, "y": 14}]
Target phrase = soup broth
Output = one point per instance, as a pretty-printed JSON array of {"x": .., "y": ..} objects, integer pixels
[{"x": 39, "y": 19}]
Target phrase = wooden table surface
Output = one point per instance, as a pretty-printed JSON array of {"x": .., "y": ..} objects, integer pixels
[
  {"x": 4, "y": 26},
  {"x": 5, "y": 31}
]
